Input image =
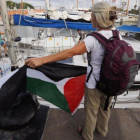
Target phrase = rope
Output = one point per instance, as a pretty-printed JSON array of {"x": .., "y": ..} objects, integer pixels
[
  {"x": 20, "y": 17},
  {"x": 65, "y": 23},
  {"x": 63, "y": 16},
  {"x": 19, "y": 20}
]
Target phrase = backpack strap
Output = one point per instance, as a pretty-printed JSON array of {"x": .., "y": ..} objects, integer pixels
[
  {"x": 89, "y": 60},
  {"x": 116, "y": 34},
  {"x": 103, "y": 40},
  {"x": 106, "y": 103}
]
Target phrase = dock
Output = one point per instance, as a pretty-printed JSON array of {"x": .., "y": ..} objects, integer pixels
[
  {"x": 55, "y": 124},
  {"x": 124, "y": 124}
]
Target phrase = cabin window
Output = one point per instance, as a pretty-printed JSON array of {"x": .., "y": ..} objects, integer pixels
[{"x": 138, "y": 57}]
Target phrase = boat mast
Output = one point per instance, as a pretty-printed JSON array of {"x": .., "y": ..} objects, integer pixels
[
  {"x": 138, "y": 23},
  {"x": 127, "y": 7},
  {"x": 138, "y": 3},
  {"x": 47, "y": 6},
  {"x": 77, "y": 4},
  {"x": 92, "y": 2},
  {"x": 6, "y": 24},
  {"x": 21, "y": 7}
]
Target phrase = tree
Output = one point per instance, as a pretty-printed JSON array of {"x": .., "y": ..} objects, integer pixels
[
  {"x": 25, "y": 6},
  {"x": 11, "y": 5}
]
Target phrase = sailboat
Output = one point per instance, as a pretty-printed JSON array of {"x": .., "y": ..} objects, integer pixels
[{"x": 52, "y": 42}]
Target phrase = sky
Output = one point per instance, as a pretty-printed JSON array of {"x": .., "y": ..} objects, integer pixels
[{"x": 72, "y": 3}]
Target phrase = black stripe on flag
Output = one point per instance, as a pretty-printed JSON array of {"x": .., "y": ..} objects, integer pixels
[{"x": 59, "y": 71}]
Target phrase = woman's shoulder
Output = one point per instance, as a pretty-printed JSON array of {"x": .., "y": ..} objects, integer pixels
[
  {"x": 108, "y": 34},
  {"x": 92, "y": 43},
  {"x": 90, "y": 38}
]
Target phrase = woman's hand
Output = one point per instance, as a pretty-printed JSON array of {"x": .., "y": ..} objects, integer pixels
[{"x": 34, "y": 62}]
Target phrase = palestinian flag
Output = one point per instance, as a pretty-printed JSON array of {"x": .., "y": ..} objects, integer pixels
[{"x": 59, "y": 84}]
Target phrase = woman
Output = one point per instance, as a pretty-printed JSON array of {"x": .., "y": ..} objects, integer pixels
[{"x": 102, "y": 18}]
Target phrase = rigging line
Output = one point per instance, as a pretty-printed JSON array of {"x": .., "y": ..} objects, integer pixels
[
  {"x": 21, "y": 7},
  {"x": 64, "y": 19},
  {"x": 20, "y": 17}
]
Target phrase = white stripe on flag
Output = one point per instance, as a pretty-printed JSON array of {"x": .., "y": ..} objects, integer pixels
[{"x": 32, "y": 73}]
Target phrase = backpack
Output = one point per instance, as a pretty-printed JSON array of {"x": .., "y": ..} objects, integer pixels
[{"x": 119, "y": 66}]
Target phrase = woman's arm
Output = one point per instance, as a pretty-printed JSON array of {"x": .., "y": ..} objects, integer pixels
[{"x": 68, "y": 53}]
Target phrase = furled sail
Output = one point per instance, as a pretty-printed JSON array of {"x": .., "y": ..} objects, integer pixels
[{"x": 48, "y": 23}]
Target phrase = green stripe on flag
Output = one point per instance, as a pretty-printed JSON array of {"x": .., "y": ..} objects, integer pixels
[{"x": 48, "y": 91}]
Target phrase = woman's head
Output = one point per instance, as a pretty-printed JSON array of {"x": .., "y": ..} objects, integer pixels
[{"x": 103, "y": 16}]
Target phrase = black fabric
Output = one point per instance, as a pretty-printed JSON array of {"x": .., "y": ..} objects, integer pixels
[
  {"x": 21, "y": 112},
  {"x": 59, "y": 71},
  {"x": 11, "y": 89},
  {"x": 33, "y": 131}
]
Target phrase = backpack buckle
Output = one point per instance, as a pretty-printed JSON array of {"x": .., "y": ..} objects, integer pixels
[{"x": 111, "y": 39}]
